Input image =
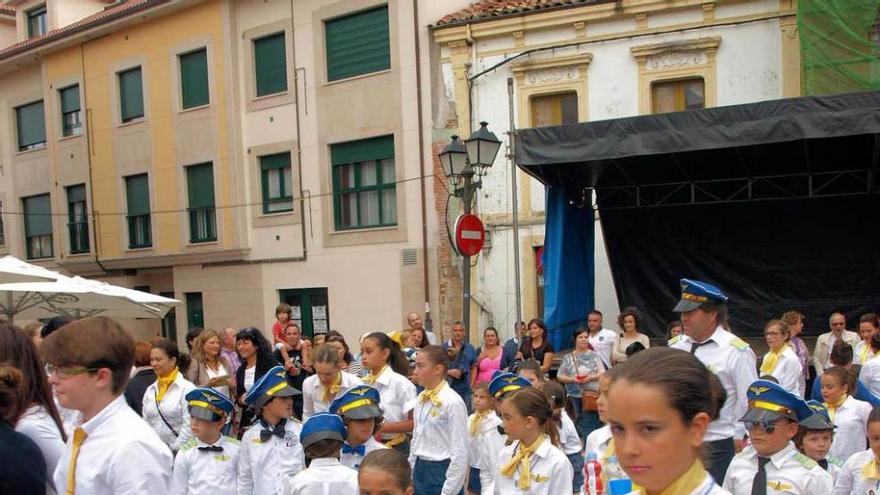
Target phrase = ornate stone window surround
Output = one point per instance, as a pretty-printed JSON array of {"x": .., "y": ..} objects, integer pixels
[
  {"x": 547, "y": 76},
  {"x": 675, "y": 60}
]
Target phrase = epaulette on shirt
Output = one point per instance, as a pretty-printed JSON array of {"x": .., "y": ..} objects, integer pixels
[
  {"x": 294, "y": 420},
  {"x": 674, "y": 340},
  {"x": 233, "y": 440},
  {"x": 804, "y": 461},
  {"x": 835, "y": 461},
  {"x": 192, "y": 442},
  {"x": 744, "y": 452},
  {"x": 739, "y": 343}
]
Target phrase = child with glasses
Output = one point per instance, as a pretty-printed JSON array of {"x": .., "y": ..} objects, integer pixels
[{"x": 772, "y": 464}]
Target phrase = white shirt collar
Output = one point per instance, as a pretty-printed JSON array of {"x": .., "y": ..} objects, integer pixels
[
  {"x": 779, "y": 458},
  {"x": 325, "y": 461},
  {"x": 109, "y": 411}
]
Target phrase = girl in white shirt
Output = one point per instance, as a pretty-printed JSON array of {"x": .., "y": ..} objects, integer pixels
[
  {"x": 164, "y": 404},
  {"x": 328, "y": 382},
  {"x": 439, "y": 453},
  {"x": 861, "y": 472},
  {"x": 485, "y": 442},
  {"x": 781, "y": 362},
  {"x": 569, "y": 441},
  {"x": 532, "y": 464},
  {"x": 388, "y": 370},
  {"x": 848, "y": 414}
]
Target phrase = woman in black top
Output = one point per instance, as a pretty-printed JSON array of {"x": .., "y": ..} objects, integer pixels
[
  {"x": 536, "y": 346},
  {"x": 23, "y": 470},
  {"x": 256, "y": 355},
  {"x": 143, "y": 377}
]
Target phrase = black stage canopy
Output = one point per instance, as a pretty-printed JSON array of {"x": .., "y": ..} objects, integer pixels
[{"x": 776, "y": 202}]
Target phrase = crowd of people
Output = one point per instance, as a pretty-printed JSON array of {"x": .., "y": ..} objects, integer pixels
[{"x": 84, "y": 409}]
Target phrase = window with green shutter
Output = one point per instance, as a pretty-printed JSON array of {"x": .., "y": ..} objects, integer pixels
[
  {"x": 195, "y": 313},
  {"x": 131, "y": 94},
  {"x": 37, "y": 24},
  {"x": 358, "y": 44},
  {"x": 194, "y": 78},
  {"x": 71, "y": 124},
  {"x": 30, "y": 122},
  {"x": 364, "y": 183},
  {"x": 137, "y": 196},
  {"x": 270, "y": 64},
  {"x": 276, "y": 183},
  {"x": 38, "y": 226},
  {"x": 200, "y": 191},
  {"x": 77, "y": 219}
]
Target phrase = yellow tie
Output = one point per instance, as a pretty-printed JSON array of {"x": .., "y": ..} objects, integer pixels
[
  {"x": 522, "y": 459},
  {"x": 371, "y": 378},
  {"x": 769, "y": 362},
  {"x": 432, "y": 395},
  {"x": 79, "y": 435},
  {"x": 476, "y": 421},
  {"x": 832, "y": 408},
  {"x": 330, "y": 392}
]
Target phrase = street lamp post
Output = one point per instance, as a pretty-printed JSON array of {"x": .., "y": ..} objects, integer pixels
[{"x": 461, "y": 163}]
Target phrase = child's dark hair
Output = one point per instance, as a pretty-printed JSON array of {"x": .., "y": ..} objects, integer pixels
[
  {"x": 531, "y": 365},
  {"x": 326, "y": 448},
  {"x": 875, "y": 342},
  {"x": 377, "y": 422},
  {"x": 436, "y": 355},
  {"x": 390, "y": 462},
  {"x": 844, "y": 377},
  {"x": 396, "y": 359},
  {"x": 680, "y": 375},
  {"x": 874, "y": 416},
  {"x": 532, "y": 402},
  {"x": 558, "y": 399},
  {"x": 841, "y": 353},
  {"x": 802, "y": 432}
]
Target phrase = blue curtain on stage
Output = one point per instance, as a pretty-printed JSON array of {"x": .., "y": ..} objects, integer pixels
[{"x": 569, "y": 267}]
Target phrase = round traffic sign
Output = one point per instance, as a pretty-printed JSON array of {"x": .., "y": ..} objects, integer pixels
[{"x": 469, "y": 234}]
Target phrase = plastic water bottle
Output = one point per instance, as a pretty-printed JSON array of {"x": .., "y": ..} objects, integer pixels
[
  {"x": 618, "y": 481},
  {"x": 592, "y": 476}
]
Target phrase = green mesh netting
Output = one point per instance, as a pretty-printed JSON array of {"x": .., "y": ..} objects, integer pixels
[{"x": 840, "y": 45}]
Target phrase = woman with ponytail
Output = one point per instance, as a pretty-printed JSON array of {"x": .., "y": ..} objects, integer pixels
[{"x": 388, "y": 369}]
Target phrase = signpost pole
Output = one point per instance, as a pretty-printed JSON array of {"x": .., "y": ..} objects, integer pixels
[{"x": 467, "y": 193}]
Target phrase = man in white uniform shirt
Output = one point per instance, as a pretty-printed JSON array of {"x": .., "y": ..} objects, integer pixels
[
  {"x": 111, "y": 451},
  {"x": 601, "y": 339},
  {"x": 703, "y": 309},
  {"x": 826, "y": 341}
]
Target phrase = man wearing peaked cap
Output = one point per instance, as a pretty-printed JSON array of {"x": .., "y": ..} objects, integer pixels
[
  {"x": 360, "y": 410},
  {"x": 208, "y": 462},
  {"x": 772, "y": 464},
  {"x": 271, "y": 450},
  {"x": 814, "y": 438},
  {"x": 703, "y": 309},
  {"x": 322, "y": 437}
]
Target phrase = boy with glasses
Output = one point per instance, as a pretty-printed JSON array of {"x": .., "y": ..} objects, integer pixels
[
  {"x": 111, "y": 450},
  {"x": 772, "y": 464}
]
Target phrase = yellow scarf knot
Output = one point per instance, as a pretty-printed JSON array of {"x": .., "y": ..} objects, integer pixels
[
  {"x": 476, "y": 421},
  {"x": 372, "y": 377},
  {"x": 330, "y": 391},
  {"x": 433, "y": 394},
  {"x": 871, "y": 470},
  {"x": 770, "y": 360},
  {"x": 163, "y": 382},
  {"x": 832, "y": 408},
  {"x": 522, "y": 459}
]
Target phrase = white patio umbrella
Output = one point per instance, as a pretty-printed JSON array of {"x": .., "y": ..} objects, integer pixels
[
  {"x": 14, "y": 270},
  {"x": 79, "y": 298}
]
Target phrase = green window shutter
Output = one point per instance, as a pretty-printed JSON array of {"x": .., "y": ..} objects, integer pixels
[
  {"x": 200, "y": 185},
  {"x": 38, "y": 215},
  {"x": 270, "y": 64},
  {"x": 31, "y": 123},
  {"x": 137, "y": 190},
  {"x": 358, "y": 44},
  {"x": 70, "y": 99},
  {"x": 76, "y": 194},
  {"x": 194, "y": 78},
  {"x": 269, "y": 162},
  {"x": 376, "y": 148},
  {"x": 131, "y": 94}
]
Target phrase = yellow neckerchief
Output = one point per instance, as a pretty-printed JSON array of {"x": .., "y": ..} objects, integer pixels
[
  {"x": 832, "y": 408},
  {"x": 770, "y": 359},
  {"x": 476, "y": 421},
  {"x": 871, "y": 470},
  {"x": 371, "y": 378},
  {"x": 330, "y": 391},
  {"x": 163, "y": 382},
  {"x": 433, "y": 394},
  {"x": 688, "y": 482},
  {"x": 864, "y": 354},
  {"x": 522, "y": 459}
]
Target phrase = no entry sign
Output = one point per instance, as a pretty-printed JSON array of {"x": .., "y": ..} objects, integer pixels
[{"x": 469, "y": 234}]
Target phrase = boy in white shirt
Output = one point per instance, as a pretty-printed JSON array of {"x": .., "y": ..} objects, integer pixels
[
  {"x": 322, "y": 437},
  {"x": 207, "y": 463},
  {"x": 270, "y": 449},
  {"x": 360, "y": 411},
  {"x": 111, "y": 451}
]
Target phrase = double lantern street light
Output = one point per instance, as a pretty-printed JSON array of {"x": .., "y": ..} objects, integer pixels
[{"x": 461, "y": 162}]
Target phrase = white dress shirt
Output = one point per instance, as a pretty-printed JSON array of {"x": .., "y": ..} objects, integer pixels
[
  {"x": 788, "y": 371},
  {"x": 851, "y": 421},
  {"x": 597, "y": 442},
  {"x": 551, "y": 471},
  {"x": 788, "y": 472},
  {"x": 174, "y": 409},
  {"x": 862, "y": 353},
  {"x": 484, "y": 449},
  {"x": 313, "y": 393},
  {"x": 870, "y": 375},
  {"x": 397, "y": 394},
  {"x": 201, "y": 472},
  {"x": 440, "y": 433},
  {"x": 568, "y": 436},
  {"x": 38, "y": 425},
  {"x": 326, "y": 476},
  {"x": 262, "y": 466},
  {"x": 849, "y": 480},
  {"x": 733, "y": 362},
  {"x": 353, "y": 460},
  {"x": 121, "y": 455},
  {"x": 603, "y": 342}
]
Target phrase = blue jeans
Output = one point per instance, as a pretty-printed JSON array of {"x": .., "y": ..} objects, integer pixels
[
  {"x": 719, "y": 453},
  {"x": 473, "y": 484},
  {"x": 587, "y": 421},
  {"x": 429, "y": 476},
  {"x": 577, "y": 464}
]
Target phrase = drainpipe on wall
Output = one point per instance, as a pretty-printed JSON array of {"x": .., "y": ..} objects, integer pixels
[
  {"x": 427, "y": 287},
  {"x": 88, "y": 132}
]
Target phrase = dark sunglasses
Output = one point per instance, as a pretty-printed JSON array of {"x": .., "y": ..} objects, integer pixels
[{"x": 767, "y": 426}]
